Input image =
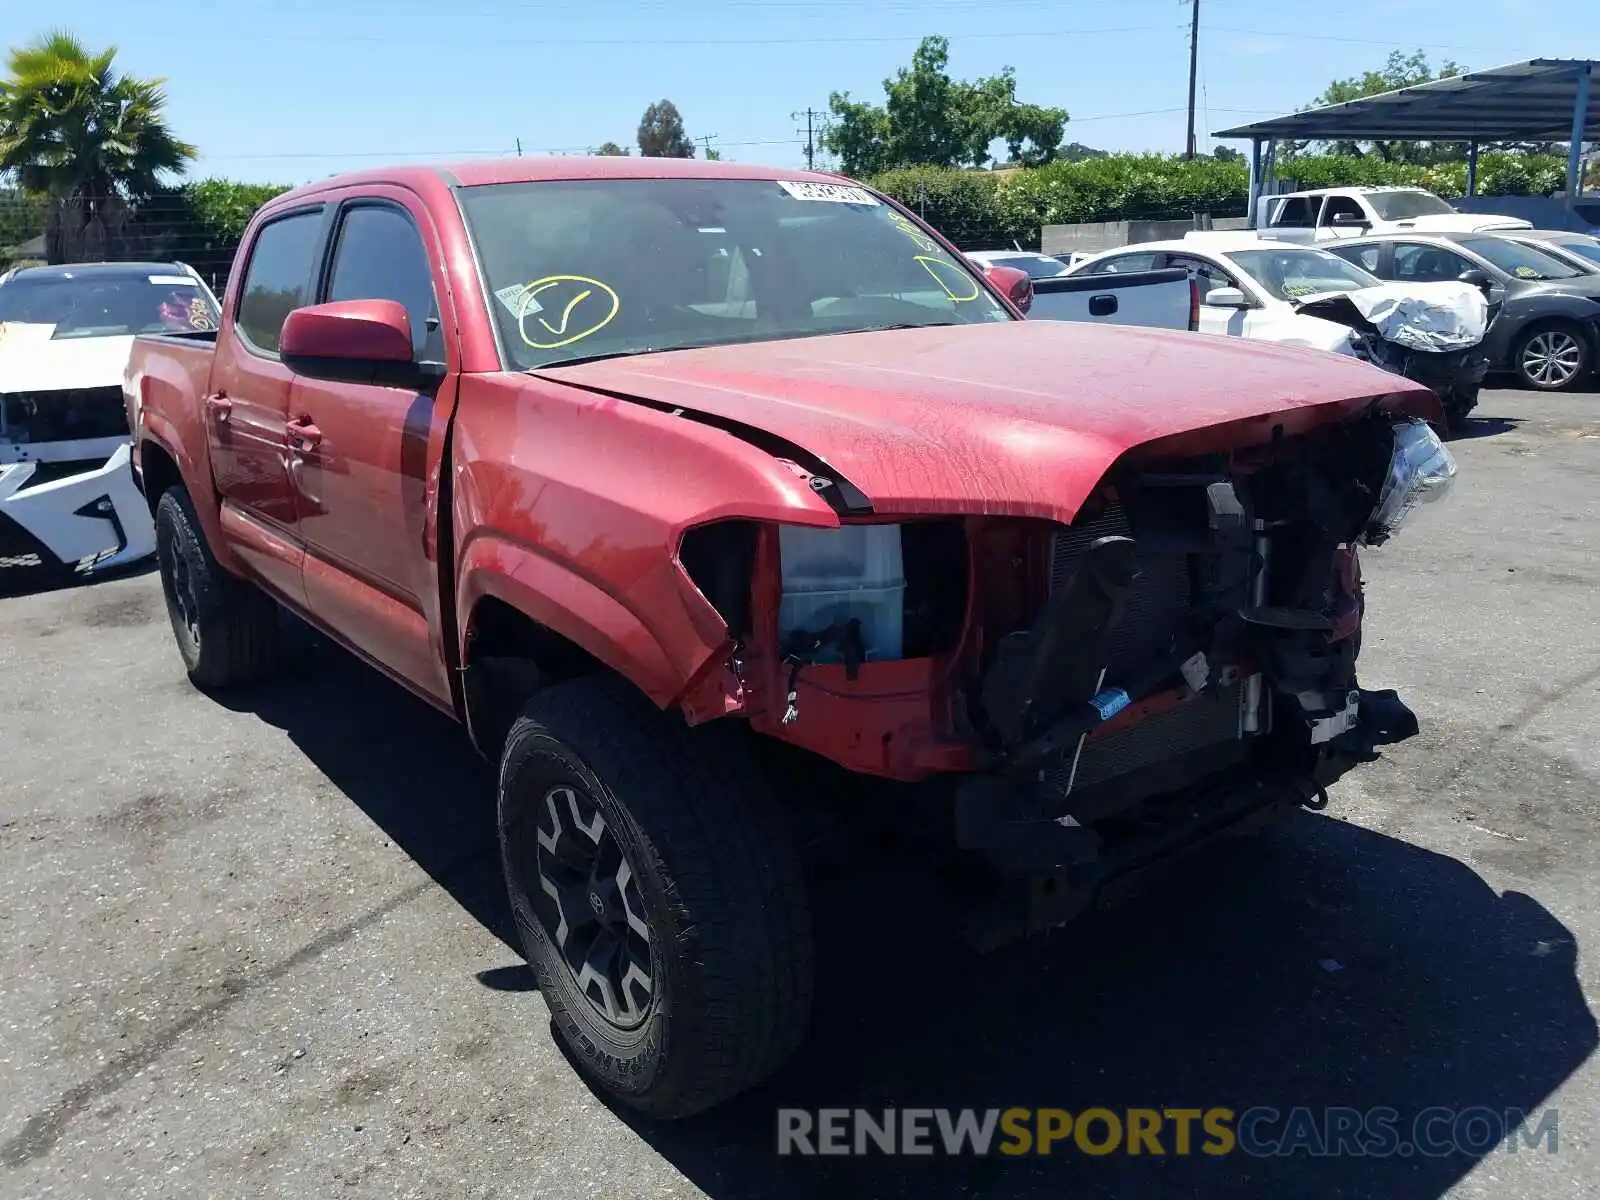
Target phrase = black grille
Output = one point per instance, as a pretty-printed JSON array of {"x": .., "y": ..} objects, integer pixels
[
  {"x": 1156, "y": 611},
  {"x": 63, "y": 415},
  {"x": 21, "y": 551}
]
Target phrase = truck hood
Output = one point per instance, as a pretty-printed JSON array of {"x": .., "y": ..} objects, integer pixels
[
  {"x": 1023, "y": 418},
  {"x": 31, "y": 362},
  {"x": 1459, "y": 223}
]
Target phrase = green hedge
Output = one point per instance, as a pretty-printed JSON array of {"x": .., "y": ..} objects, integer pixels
[{"x": 976, "y": 209}]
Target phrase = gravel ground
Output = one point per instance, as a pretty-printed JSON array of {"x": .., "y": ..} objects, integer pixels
[{"x": 259, "y": 948}]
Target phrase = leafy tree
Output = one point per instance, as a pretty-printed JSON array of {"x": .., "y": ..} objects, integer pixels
[
  {"x": 713, "y": 155},
  {"x": 930, "y": 119},
  {"x": 1400, "y": 71},
  {"x": 89, "y": 139},
  {"x": 611, "y": 150},
  {"x": 661, "y": 132},
  {"x": 1227, "y": 154}
]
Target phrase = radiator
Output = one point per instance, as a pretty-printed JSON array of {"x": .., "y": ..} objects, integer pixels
[{"x": 1155, "y": 610}]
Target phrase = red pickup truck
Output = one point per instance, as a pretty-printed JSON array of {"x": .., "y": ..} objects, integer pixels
[{"x": 641, "y": 467}]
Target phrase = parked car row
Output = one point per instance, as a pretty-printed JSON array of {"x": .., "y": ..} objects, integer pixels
[{"x": 1541, "y": 288}]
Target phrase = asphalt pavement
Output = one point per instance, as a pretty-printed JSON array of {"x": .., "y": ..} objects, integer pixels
[{"x": 260, "y": 947}]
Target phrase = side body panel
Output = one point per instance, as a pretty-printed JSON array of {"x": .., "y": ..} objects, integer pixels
[{"x": 571, "y": 507}]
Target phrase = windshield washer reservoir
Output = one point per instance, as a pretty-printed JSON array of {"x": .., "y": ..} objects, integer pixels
[{"x": 833, "y": 575}]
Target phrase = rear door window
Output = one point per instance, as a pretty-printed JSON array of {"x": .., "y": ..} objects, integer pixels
[{"x": 278, "y": 278}]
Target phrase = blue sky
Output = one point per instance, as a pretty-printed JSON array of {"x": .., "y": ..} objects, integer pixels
[{"x": 292, "y": 90}]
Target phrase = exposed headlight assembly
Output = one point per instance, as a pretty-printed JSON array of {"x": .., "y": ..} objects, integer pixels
[{"x": 1421, "y": 471}]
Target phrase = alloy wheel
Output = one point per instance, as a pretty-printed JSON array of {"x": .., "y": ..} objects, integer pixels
[
  {"x": 588, "y": 903},
  {"x": 1551, "y": 358},
  {"x": 179, "y": 580}
]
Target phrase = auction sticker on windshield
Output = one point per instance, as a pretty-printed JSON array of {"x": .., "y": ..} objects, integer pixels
[{"x": 832, "y": 193}]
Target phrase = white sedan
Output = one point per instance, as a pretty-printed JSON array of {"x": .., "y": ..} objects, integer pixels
[
  {"x": 1258, "y": 288},
  {"x": 1251, "y": 286}
]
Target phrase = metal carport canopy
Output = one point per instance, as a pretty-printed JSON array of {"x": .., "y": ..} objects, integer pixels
[{"x": 1541, "y": 100}]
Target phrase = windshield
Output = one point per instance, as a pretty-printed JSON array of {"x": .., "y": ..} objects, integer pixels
[
  {"x": 1038, "y": 266},
  {"x": 105, "y": 305},
  {"x": 1294, "y": 274},
  {"x": 1519, "y": 260},
  {"x": 586, "y": 268},
  {"x": 1403, "y": 205}
]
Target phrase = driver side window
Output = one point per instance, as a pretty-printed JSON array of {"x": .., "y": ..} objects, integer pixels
[
  {"x": 1208, "y": 275},
  {"x": 1342, "y": 207},
  {"x": 1428, "y": 264}
]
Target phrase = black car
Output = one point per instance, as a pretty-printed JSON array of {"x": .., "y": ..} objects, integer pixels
[{"x": 1547, "y": 325}]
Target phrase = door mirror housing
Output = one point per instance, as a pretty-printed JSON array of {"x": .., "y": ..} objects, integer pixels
[
  {"x": 1227, "y": 297},
  {"x": 355, "y": 341},
  {"x": 1476, "y": 277},
  {"x": 1350, "y": 221},
  {"x": 1016, "y": 284}
]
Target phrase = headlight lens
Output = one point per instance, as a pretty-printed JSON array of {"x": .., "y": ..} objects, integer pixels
[{"x": 1421, "y": 471}]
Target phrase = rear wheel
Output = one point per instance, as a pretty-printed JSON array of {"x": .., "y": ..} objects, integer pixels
[
  {"x": 657, "y": 897},
  {"x": 226, "y": 629},
  {"x": 1553, "y": 357}
]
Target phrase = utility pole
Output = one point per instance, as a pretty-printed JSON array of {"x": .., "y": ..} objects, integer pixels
[
  {"x": 1194, "y": 62},
  {"x": 811, "y": 140},
  {"x": 519, "y": 147},
  {"x": 706, "y": 139}
]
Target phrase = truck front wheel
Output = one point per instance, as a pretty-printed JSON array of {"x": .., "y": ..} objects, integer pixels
[
  {"x": 657, "y": 896},
  {"x": 227, "y": 630}
]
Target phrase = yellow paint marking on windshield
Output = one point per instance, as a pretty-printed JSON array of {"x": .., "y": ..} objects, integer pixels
[
  {"x": 947, "y": 273},
  {"x": 919, "y": 238},
  {"x": 591, "y": 320}
]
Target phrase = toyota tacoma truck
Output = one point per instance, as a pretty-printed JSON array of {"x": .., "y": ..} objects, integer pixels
[{"x": 657, "y": 473}]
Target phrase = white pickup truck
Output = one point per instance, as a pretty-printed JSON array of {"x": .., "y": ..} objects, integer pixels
[{"x": 1329, "y": 213}]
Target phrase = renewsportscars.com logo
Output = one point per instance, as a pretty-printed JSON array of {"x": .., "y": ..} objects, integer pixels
[{"x": 1259, "y": 1132}]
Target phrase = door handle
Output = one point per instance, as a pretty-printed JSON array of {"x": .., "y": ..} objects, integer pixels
[
  {"x": 1102, "y": 306},
  {"x": 304, "y": 434},
  {"x": 219, "y": 406}
]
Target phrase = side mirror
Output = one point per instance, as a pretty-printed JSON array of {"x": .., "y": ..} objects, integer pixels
[
  {"x": 354, "y": 341},
  {"x": 1350, "y": 221},
  {"x": 1477, "y": 277},
  {"x": 1226, "y": 297},
  {"x": 1017, "y": 285}
]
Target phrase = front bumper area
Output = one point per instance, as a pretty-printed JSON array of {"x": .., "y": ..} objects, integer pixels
[
  {"x": 1046, "y": 871},
  {"x": 69, "y": 509}
]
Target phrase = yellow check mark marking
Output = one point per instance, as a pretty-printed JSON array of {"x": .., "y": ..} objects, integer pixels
[{"x": 566, "y": 313}]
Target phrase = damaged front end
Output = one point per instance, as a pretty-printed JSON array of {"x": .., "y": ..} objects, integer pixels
[
  {"x": 1430, "y": 333},
  {"x": 1192, "y": 671}
]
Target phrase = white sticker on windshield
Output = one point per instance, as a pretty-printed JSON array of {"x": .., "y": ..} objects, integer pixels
[
  {"x": 171, "y": 281},
  {"x": 832, "y": 193},
  {"x": 517, "y": 301}
]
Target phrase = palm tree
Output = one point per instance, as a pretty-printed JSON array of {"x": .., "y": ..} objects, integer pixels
[{"x": 88, "y": 138}]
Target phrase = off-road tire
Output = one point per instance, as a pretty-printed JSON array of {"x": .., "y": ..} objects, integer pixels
[
  {"x": 226, "y": 629},
  {"x": 730, "y": 948},
  {"x": 1572, "y": 335}
]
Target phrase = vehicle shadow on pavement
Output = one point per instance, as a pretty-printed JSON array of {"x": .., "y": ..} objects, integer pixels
[
  {"x": 1482, "y": 427},
  {"x": 1324, "y": 965},
  {"x": 1327, "y": 966}
]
